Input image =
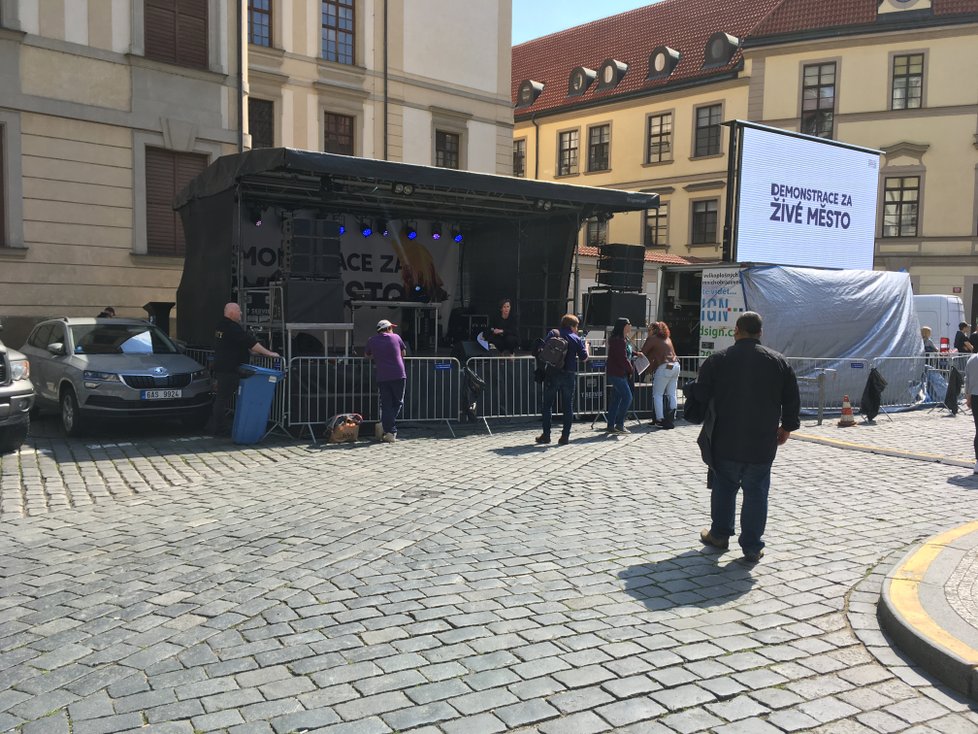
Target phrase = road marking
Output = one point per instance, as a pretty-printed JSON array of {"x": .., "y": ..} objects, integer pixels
[{"x": 883, "y": 451}]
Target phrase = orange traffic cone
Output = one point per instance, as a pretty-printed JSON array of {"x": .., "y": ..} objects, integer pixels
[{"x": 847, "y": 418}]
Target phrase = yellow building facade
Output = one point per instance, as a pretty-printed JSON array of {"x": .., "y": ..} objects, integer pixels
[
  {"x": 888, "y": 75},
  {"x": 109, "y": 107}
]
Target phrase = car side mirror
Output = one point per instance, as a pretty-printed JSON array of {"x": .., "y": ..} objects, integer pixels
[
  {"x": 56, "y": 348},
  {"x": 180, "y": 345}
]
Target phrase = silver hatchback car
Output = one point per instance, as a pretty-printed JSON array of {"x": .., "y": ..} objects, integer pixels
[{"x": 114, "y": 368}]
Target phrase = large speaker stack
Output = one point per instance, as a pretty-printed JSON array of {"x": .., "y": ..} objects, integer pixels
[
  {"x": 313, "y": 284},
  {"x": 619, "y": 290}
]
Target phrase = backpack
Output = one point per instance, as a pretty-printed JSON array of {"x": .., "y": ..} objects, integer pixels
[{"x": 553, "y": 353}]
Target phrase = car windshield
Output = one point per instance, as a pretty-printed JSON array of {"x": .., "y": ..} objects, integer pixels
[{"x": 121, "y": 339}]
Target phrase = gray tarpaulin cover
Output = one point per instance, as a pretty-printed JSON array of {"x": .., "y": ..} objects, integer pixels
[{"x": 845, "y": 320}]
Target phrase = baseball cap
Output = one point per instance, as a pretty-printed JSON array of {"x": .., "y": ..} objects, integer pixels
[{"x": 384, "y": 324}]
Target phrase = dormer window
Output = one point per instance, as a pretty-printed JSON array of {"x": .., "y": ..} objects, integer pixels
[
  {"x": 896, "y": 6},
  {"x": 580, "y": 79},
  {"x": 662, "y": 61},
  {"x": 610, "y": 73},
  {"x": 720, "y": 49},
  {"x": 528, "y": 93}
]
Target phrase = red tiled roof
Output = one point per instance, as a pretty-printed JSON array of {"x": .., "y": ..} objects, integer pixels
[
  {"x": 792, "y": 16},
  {"x": 685, "y": 25},
  {"x": 650, "y": 256}
]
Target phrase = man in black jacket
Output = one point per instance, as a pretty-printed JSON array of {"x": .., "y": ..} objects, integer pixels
[{"x": 756, "y": 402}]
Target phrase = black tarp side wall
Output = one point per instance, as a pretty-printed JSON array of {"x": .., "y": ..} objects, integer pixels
[{"x": 209, "y": 229}]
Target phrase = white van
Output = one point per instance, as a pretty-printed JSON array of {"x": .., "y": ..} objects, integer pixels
[{"x": 942, "y": 314}]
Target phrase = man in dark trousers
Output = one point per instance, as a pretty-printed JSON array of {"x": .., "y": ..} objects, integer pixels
[
  {"x": 563, "y": 381},
  {"x": 756, "y": 403},
  {"x": 232, "y": 345}
]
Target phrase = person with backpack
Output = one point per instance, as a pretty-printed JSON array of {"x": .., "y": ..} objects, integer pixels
[{"x": 560, "y": 354}]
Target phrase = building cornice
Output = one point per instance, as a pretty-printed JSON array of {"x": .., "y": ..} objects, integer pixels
[{"x": 915, "y": 24}]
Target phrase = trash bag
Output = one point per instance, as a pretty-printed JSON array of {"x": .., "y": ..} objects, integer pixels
[
  {"x": 472, "y": 390},
  {"x": 869, "y": 403}
]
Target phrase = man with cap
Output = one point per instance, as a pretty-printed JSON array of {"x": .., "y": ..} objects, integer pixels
[{"x": 387, "y": 350}]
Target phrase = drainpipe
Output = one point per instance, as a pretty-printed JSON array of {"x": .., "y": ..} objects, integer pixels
[
  {"x": 241, "y": 91},
  {"x": 386, "y": 79},
  {"x": 536, "y": 146}
]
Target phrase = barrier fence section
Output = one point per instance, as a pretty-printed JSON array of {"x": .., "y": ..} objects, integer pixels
[{"x": 321, "y": 387}]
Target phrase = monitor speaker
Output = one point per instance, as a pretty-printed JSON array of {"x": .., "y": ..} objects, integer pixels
[
  {"x": 603, "y": 308},
  {"x": 464, "y": 350},
  {"x": 314, "y": 301}
]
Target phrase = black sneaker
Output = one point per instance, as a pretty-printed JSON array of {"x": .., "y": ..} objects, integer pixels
[
  {"x": 707, "y": 539},
  {"x": 543, "y": 438}
]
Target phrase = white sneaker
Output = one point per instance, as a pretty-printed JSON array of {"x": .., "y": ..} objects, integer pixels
[{"x": 389, "y": 438}]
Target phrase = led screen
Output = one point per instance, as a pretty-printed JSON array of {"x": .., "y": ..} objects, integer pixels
[{"x": 805, "y": 202}]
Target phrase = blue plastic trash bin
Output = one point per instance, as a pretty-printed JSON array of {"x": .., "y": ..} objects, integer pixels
[{"x": 255, "y": 395}]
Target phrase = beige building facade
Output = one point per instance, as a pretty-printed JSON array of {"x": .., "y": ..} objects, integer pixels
[
  {"x": 887, "y": 75},
  {"x": 109, "y": 107}
]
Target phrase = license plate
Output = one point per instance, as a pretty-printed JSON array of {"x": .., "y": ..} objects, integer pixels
[{"x": 160, "y": 394}]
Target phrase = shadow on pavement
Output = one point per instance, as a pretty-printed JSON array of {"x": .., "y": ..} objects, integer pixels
[
  {"x": 969, "y": 480},
  {"x": 694, "y": 578}
]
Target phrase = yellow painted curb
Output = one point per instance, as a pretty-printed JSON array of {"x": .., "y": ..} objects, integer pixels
[
  {"x": 905, "y": 593},
  {"x": 898, "y": 453}
]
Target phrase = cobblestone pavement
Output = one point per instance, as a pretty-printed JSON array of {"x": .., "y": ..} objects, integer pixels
[{"x": 478, "y": 584}]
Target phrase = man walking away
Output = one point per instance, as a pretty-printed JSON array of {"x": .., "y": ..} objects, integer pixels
[
  {"x": 756, "y": 402},
  {"x": 232, "y": 345},
  {"x": 387, "y": 350},
  {"x": 562, "y": 380},
  {"x": 971, "y": 395}
]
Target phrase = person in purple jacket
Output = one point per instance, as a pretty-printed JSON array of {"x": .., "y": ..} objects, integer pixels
[
  {"x": 387, "y": 351},
  {"x": 618, "y": 370}
]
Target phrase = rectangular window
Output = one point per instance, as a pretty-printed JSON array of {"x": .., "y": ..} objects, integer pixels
[
  {"x": 704, "y": 222},
  {"x": 597, "y": 233},
  {"x": 447, "y": 147},
  {"x": 167, "y": 173},
  {"x": 519, "y": 158},
  {"x": 261, "y": 122},
  {"x": 659, "y": 148},
  {"x": 176, "y": 32},
  {"x": 598, "y": 142},
  {"x": 260, "y": 22},
  {"x": 339, "y": 134},
  {"x": 908, "y": 82},
  {"x": 657, "y": 226},
  {"x": 707, "y": 136},
  {"x": 567, "y": 146},
  {"x": 338, "y": 30},
  {"x": 818, "y": 100},
  {"x": 901, "y": 197}
]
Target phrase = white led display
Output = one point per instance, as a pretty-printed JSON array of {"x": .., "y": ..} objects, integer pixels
[{"x": 805, "y": 202}]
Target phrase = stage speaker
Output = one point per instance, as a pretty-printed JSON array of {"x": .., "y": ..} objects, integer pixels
[
  {"x": 464, "y": 350},
  {"x": 620, "y": 280},
  {"x": 314, "y": 301},
  {"x": 621, "y": 267},
  {"x": 603, "y": 308},
  {"x": 311, "y": 248}
]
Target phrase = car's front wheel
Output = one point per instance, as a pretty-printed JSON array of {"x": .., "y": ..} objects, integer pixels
[
  {"x": 71, "y": 419},
  {"x": 12, "y": 437}
]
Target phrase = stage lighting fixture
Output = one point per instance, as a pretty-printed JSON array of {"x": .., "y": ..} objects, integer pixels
[
  {"x": 436, "y": 230},
  {"x": 457, "y": 234},
  {"x": 404, "y": 189},
  {"x": 411, "y": 232},
  {"x": 365, "y": 229},
  {"x": 381, "y": 226},
  {"x": 342, "y": 222},
  {"x": 544, "y": 204}
]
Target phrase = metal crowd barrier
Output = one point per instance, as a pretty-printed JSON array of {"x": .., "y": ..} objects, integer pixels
[{"x": 321, "y": 387}]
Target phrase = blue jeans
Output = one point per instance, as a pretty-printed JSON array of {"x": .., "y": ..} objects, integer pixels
[
  {"x": 619, "y": 402},
  {"x": 564, "y": 384},
  {"x": 755, "y": 479},
  {"x": 391, "y": 402}
]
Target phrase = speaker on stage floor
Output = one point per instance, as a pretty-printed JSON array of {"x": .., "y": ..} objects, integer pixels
[
  {"x": 603, "y": 308},
  {"x": 314, "y": 301}
]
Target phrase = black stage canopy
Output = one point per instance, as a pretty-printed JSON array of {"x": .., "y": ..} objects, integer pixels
[{"x": 519, "y": 240}]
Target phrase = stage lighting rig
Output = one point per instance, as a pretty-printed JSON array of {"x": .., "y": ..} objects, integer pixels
[
  {"x": 365, "y": 228},
  {"x": 411, "y": 232},
  {"x": 436, "y": 230},
  {"x": 254, "y": 214},
  {"x": 457, "y": 234}
]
